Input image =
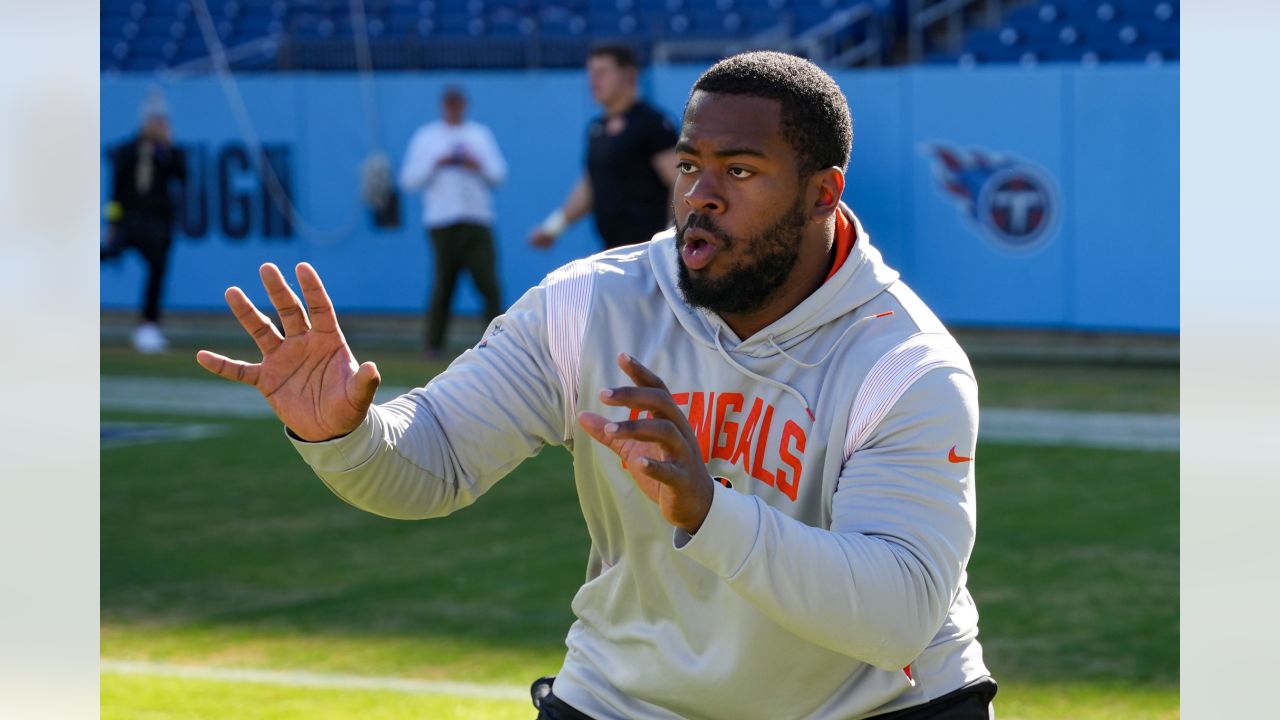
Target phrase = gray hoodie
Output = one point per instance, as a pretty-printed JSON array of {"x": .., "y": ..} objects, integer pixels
[{"x": 828, "y": 580}]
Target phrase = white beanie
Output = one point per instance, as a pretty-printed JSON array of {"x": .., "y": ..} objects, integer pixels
[{"x": 154, "y": 105}]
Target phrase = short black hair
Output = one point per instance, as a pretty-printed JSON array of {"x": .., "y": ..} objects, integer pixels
[
  {"x": 815, "y": 114},
  {"x": 623, "y": 55}
]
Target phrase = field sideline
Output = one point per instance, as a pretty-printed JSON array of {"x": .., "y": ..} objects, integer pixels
[{"x": 221, "y": 552}]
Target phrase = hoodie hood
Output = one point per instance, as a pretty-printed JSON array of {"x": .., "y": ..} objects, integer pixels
[{"x": 861, "y": 277}]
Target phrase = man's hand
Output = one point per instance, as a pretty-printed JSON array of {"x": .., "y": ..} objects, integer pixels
[
  {"x": 541, "y": 239},
  {"x": 661, "y": 452},
  {"x": 309, "y": 376}
]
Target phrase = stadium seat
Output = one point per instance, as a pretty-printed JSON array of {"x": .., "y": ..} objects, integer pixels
[
  {"x": 986, "y": 43},
  {"x": 608, "y": 22},
  {"x": 758, "y": 19},
  {"x": 258, "y": 25},
  {"x": 113, "y": 24},
  {"x": 559, "y": 22},
  {"x": 1108, "y": 12},
  {"x": 508, "y": 22},
  {"x": 680, "y": 25},
  {"x": 808, "y": 14},
  {"x": 1161, "y": 10}
]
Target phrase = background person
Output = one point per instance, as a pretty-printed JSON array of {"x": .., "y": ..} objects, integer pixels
[
  {"x": 630, "y": 160},
  {"x": 145, "y": 172},
  {"x": 456, "y": 163}
]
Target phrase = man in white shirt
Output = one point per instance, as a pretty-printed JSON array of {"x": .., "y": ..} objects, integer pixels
[{"x": 456, "y": 163}]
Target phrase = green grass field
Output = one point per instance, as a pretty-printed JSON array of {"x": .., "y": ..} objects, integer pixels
[{"x": 226, "y": 551}]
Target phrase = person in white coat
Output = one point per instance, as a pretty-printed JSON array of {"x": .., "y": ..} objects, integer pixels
[{"x": 455, "y": 163}]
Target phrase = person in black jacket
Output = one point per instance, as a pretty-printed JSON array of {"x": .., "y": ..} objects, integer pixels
[
  {"x": 140, "y": 215},
  {"x": 631, "y": 160}
]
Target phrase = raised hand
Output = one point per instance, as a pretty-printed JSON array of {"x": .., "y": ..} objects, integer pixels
[
  {"x": 308, "y": 376},
  {"x": 541, "y": 239},
  {"x": 661, "y": 452}
]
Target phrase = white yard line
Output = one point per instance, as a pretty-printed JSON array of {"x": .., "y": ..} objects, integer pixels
[
  {"x": 324, "y": 681},
  {"x": 1121, "y": 431},
  {"x": 327, "y": 681},
  {"x": 1126, "y": 431}
]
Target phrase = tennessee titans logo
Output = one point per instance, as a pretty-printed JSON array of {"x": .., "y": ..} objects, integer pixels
[{"x": 1014, "y": 204}]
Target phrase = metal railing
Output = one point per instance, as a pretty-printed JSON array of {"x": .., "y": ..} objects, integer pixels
[
  {"x": 828, "y": 43},
  {"x": 924, "y": 15},
  {"x": 821, "y": 43}
]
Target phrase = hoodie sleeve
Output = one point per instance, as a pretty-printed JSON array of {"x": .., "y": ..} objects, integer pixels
[
  {"x": 879, "y": 583},
  {"x": 437, "y": 448}
]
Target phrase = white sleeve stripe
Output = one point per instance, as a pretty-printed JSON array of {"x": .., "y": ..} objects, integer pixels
[
  {"x": 891, "y": 376},
  {"x": 568, "y": 297}
]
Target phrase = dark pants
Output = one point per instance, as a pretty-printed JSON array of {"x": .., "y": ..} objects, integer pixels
[
  {"x": 152, "y": 238},
  {"x": 971, "y": 702},
  {"x": 463, "y": 246}
]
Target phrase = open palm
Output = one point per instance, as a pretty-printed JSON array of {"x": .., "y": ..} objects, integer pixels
[{"x": 308, "y": 375}]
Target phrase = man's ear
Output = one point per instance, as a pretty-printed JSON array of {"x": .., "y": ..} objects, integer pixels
[{"x": 828, "y": 187}]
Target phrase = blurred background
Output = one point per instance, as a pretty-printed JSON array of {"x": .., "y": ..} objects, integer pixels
[{"x": 1018, "y": 162}]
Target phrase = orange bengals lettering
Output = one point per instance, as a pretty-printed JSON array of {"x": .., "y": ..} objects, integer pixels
[{"x": 723, "y": 434}]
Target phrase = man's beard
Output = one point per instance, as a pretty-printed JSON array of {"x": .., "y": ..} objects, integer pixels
[{"x": 754, "y": 280}]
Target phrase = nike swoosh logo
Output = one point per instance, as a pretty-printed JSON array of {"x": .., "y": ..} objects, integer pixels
[{"x": 953, "y": 457}]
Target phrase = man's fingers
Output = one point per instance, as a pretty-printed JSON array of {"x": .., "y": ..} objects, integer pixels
[
  {"x": 638, "y": 373},
  {"x": 223, "y": 366},
  {"x": 319, "y": 306},
  {"x": 363, "y": 386},
  {"x": 655, "y": 400},
  {"x": 594, "y": 425},
  {"x": 259, "y": 326},
  {"x": 654, "y": 430},
  {"x": 667, "y": 473},
  {"x": 292, "y": 318}
]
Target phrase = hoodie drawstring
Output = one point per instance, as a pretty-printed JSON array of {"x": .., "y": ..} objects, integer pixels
[
  {"x": 783, "y": 386},
  {"x": 834, "y": 345}
]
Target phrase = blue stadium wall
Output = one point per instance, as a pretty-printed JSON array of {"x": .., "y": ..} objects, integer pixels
[{"x": 1059, "y": 208}]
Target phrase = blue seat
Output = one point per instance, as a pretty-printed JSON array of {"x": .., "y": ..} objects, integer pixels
[
  {"x": 258, "y": 25},
  {"x": 563, "y": 26},
  {"x": 149, "y": 46},
  {"x": 1159, "y": 10},
  {"x": 1072, "y": 11},
  {"x": 608, "y": 22},
  {"x": 191, "y": 48},
  {"x": 806, "y": 15},
  {"x": 454, "y": 23},
  {"x": 708, "y": 22},
  {"x": 508, "y": 22},
  {"x": 1108, "y": 11},
  {"x": 156, "y": 24},
  {"x": 113, "y": 25},
  {"x": 1045, "y": 13},
  {"x": 758, "y": 19},
  {"x": 983, "y": 42},
  {"x": 1037, "y": 34}
]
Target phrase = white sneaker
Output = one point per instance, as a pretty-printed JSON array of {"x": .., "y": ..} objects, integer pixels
[{"x": 148, "y": 340}]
